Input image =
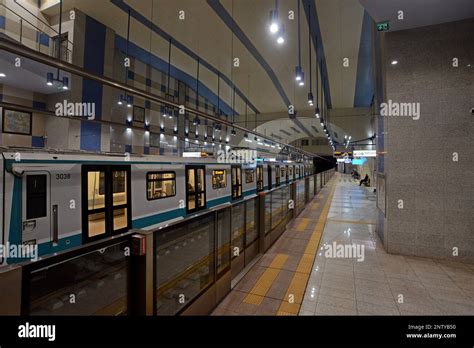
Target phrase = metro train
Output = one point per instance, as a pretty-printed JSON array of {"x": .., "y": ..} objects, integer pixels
[{"x": 58, "y": 201}]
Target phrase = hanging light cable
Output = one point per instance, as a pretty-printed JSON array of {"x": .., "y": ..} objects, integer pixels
[
  {"x": 317, "y": 112},
  {"x": 299, "y": 70},
  {"x": 310, "y": 94}
]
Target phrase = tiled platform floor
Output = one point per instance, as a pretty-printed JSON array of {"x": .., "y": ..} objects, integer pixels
[
  {"x": 377, "y": 285},
  {"x": 382, "y": 284},
  {"x": 275, "y": 285}
]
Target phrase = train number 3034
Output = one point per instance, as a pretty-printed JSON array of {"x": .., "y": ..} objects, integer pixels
[{"x": 63, "y": 176}]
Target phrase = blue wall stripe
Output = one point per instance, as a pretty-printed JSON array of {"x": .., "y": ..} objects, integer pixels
[
  {"x": 161, "y": 65},
  {"x": 94, "y": 53},
  {"x": 365, "y": 86},
  {"x": 318, "y": 43},
  {"x": 37, "y": 141},
  {"x": 227, "y": 19},
  {"x": 145, "y": 21},
  {"x": 2, "y": 22},
  {"x": 39, "y": 105}
]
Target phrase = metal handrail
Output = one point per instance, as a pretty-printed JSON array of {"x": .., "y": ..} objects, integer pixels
[
  {"x": 73, "y": 69},
  {"x": 38, "y": 18},
  {"x": 32, "y": 25}
]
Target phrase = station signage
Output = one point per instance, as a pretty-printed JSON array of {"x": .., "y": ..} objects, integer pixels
[{"x": 383, "y": 26}]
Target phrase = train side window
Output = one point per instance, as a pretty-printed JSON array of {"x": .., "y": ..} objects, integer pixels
[
  {"x": 259, "y": 178},
  {"x": 249, "y": 176},
  {"x": 36, "y": 196},
  {"x": 219, "y": 179},
  {"x": 160, "y": 185}
]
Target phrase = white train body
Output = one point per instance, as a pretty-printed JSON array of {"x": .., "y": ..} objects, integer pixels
[{"x": 60, "y": 201}]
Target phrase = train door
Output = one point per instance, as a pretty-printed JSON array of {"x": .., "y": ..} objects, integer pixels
[
  {"x": 259, "y": 178},
  {"x": 287, "y": 177},
  {"x": 294, "y": 173},
  {"x": 106, "y": 200},
  {"x": 195, "y": 188},
  {"x": 236, "y": 178},
  {"x": 269, "y": 171},
  {"x": 36, "y": 213}
]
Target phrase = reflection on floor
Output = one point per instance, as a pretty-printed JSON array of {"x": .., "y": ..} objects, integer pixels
[
  {"x": 276, "y": 283},
  {"x": 381, "y": 284}
]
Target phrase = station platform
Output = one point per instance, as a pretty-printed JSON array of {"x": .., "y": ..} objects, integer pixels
[{"x": 297, "y": 277}]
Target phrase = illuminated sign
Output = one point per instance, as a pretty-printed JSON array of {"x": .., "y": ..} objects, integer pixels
[
  {"x": 359, "y": 161},
  {"x": 365, "y": 153},
  {"x": 191, "y": 154}
]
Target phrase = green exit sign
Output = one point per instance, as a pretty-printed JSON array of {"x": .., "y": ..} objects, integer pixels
[{"x": 382, "y": 26}]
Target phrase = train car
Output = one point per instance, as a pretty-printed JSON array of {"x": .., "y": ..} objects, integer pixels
[{"x": 58, "y": 201}]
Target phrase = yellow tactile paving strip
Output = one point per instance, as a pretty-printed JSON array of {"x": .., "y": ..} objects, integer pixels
[
  {"x": 294, "y": 295},
  {"x": 280, "y": 288},
  {"x": 302, "y": 224},
  {"x": 265, "y": 281}
]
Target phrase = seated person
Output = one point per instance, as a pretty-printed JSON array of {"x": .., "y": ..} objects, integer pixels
[{"x": 365, "y": 180}]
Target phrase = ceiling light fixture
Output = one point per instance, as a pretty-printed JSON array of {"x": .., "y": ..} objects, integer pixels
[
  {"x": 274, "y": 19},
  {"x": 394, "y": 62},
  {"x": 281, "y": 35},
  {"x": 2, "y": 75},
  {"x": 298, "y": 70}
]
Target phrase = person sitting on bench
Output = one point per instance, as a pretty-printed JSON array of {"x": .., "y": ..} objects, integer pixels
[{"x": 365, "y": 180}]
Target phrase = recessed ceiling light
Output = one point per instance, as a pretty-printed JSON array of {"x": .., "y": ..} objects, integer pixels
[
  {"x": 2, "y": 75},
  {"x": 394, "y": 62}
]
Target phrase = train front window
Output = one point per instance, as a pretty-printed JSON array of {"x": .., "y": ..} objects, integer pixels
[
  {"x": 219, "y": 179},
  {"x": 161, "y": 185}
]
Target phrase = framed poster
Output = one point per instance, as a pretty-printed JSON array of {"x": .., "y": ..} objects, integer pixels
[
  {"x": 138, "y": 114},
  {"x": 16, "y": 122},
  {"x": 381, "y": 202}
]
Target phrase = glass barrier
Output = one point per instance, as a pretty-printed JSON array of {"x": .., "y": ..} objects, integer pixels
[
  {"x": 311, "y": 186},
  {"x": 184, "y": 263},
  {"x": 223, "y": 240},
  {"x": 300, "y": 193},
  {"x": 251, "y": 230},
  {"x": 268, "y": 212},
  {"x": 91, "y": 284},
  {"x": 276, "y": 208},
  {"x": 238, "y": 231},
  {"x": 286, "y": 196}
]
